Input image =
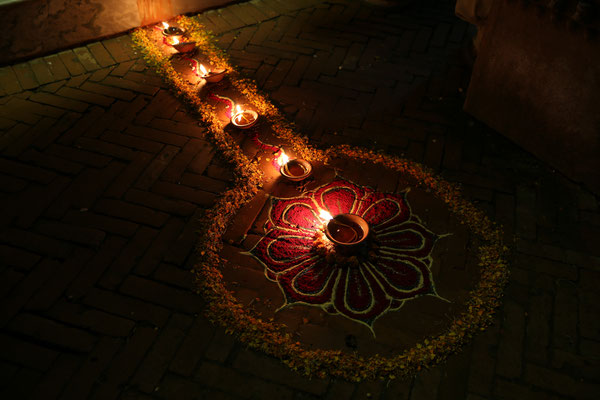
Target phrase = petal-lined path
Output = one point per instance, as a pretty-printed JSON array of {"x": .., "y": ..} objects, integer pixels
[{"x": 104, "y": 175}]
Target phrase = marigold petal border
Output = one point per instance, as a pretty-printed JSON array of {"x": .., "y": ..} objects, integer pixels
[{"x": 223, "y": 309}]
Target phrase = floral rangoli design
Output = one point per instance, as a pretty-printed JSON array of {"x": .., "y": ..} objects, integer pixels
[{"x": 393, "y": 265}]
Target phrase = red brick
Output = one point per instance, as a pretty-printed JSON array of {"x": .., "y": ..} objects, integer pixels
[
  {"x": 105, "y": 148},
  {"x": 54, "y": 287},
  {"x": 37, "y": 243},
  {"x": 184, "y": 193},
  {"x": 78, "y": 156},
  {"x": 25, "y": 76},
  {"x": 124, "y": 210},
  {"x": 101, "y": 222},
  {"x": 88, "y": 97},
  {"x": 219, "y": 377},
  {"x": 41, "y": 71},
  {"x": 183, "y": 246},
  {"x": 156, "y": 168},
  {"x": 86, "y": 59},
  {"x": 94, "y": 269},
  {"x": 99, "y": 75},
  {"x": 122, "y": 68},
  {"x": 82, "y": 382},
  {"x": 9, "y": 184},
  {"x": 92, "y": 319},
  {"x": 175, "y": 169},
  {"x": 51, "y": 162},
  {"x": 109, "y": 91},
  {"x": 26, "y": 138},
  {"x": 85, "y": 236},
  {"x": 12, "y": 256},
  {"x": 8, "y": 81},
  {"x": 13, "y": 110},
  {"x": 161, "y": 105},
  {"x": 203, "y": 182},
  {"x": 53, "y": 100},
  {"x": 560, "y": 382},
  {"x": 135, "y": 249},
  {"x": 179, "y": 128},
  {"x": 9, "y": 278},
  {"x": 157, "y": 360},
  {"x": 271, "y": 369},
  {"x": 242, "y": 14},
  {"x": 26, "y": 354},
  {"x": 128, "y": 111},
  {"x": 220, "y": 346},
  {"x": 126, "y": 179},
  {"x": 130, "y": 85},
  {"x": 127, "y": 307},
  {"x": 26, "y": 288},
  {"x": 148, "y": 78},
  {"x": 125, "y": 363},
  {"x": 78, "y": 80},
  {"x": 193, "y": 347},
  {"x": 172, "y": 275},
  {"x": 57, "y": 378},
  {"x": 56, "y": 67},
  {"x": 85, "y": 189},
  {"x": 72, "y": 63},
  {"x": 101, "y": 55},
  {"x": 163, "y": 295},
  {"x": 159, "y": 246},
  {"x": 133, "y": 142},
  {"x": 52, "y": 332},
  {"x": 148, "y": 199},
  {"x": 156, "y": 135},
  {"x": 89, "y": 119},
  {"x": 116, "y": 49}
]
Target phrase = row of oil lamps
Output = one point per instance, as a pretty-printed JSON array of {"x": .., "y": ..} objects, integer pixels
[{"x": 346, "y": 230}]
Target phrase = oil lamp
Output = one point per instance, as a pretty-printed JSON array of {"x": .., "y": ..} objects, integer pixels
[
  {"x": 294, "y": 169},
  {"x": 345, "y": 229},
  {"x": 172, "y": 32},
  {"x": 184, "y": 47},
  {"x": 214, "y": 75},
  {"x": 244, "y": 119}
]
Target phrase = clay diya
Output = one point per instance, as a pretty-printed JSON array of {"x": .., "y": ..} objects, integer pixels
[
  {"x": 347, "y": 229},
  {"x": 244, "y": 119}
]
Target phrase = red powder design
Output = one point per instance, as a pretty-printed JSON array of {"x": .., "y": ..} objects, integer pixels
[{"x": 391, "y": 267}]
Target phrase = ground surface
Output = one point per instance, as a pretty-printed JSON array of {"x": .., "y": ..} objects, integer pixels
[{"x": 104, "y": 175}]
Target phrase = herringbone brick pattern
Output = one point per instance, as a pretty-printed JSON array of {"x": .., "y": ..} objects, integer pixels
[{"x": 104, "y": 176}]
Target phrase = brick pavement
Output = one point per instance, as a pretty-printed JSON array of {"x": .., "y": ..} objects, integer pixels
[{"x": 104, "y": 175}]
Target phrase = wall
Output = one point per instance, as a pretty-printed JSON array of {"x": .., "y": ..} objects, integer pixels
[
  {"x": 536, "y": 80},
  {"x": 36, "y": 27}
]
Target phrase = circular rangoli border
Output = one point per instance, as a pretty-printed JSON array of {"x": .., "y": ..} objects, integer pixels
[{"x": 222, "y": 307}]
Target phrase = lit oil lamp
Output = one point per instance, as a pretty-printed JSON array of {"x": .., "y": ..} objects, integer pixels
[
  {"x": 244, "y": 119},
  {"x": 295, "y": 169},
  {"x": 214, "y": 75},
  {"x": 172, "y": 32},
  {"x": 184, "y": 47},
  {"x": 345, "y": 229}
]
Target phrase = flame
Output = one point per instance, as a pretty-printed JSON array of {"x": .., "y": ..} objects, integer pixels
[
  {"x": 238, "y": 113},
  {"x": 174, "y": 41},
  {"x": 165, "y": 25},
  {"x": 325, "y": 216},
  {"x": 283, "y": 159},
  {"x": 203, "y": 70}
]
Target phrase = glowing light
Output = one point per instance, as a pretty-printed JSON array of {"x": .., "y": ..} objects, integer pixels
[
  {"x": 283, "y": 158},
  {"x": 165, "y": 25},
  {"x": 325, "y": 216},
  {"x": 238, "y": 113},
  {"x": 203, "y": 70}
]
